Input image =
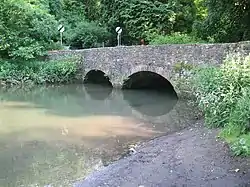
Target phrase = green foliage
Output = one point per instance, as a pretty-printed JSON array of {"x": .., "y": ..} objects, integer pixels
[
  {"x": 24, "y": 29},
  {"x": 184, "y": 14},
  {"x": 182, "y": 66},
  {"x": 79, "y": 31},
  {"x": 28, "y": 28},
  {"x": 142, "y": 18},
  {"x": 55, "y": 8},
  {"x": 241, "y": 146},
  {"x": 239, "y": 143},
  {"x": 241, "y": 113},
  {"x": 87, "y": 35},
  {"x": 34, "y": 72},
  {"x": 92, "y": 9},
  {"x": 226, "y": 21},
  {"x": 175, "y": 38},
  {"x": 73, "y": 13},
  {"x": 201, "y": 9},
  {"x": 224, "y": 96}
]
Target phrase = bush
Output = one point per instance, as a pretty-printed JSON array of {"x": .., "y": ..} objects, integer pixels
[
  {"x": 87, "y": 35},
  {"x": 224, "y": 96},
  {"x": 175, "y": 38},
  {"x": 25, "y": 30},
  {"x": 35, "y": 72},
  {"x": 237, "y": 131},
  {"x": 224, "y": 21},
  {"x": 241, "y": 145}
]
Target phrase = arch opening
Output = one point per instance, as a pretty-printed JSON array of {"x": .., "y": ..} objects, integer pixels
[
  {"x": 147, "y": 80},
  {"x": 97, "y": 77}
]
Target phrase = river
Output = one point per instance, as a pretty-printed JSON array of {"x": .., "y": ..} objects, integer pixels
[{"x": 56, "y": 135}]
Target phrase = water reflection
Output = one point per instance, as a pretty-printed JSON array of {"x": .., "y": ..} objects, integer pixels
[
  {"x": 150, "y": 103},
  {"x": 56, "y": 135},
  {"x": 98, "y": 92}
]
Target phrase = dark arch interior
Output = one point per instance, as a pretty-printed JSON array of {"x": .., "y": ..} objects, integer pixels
[
  {"x": 147, "y": 80},
  {"x": 97, "y": 77}
]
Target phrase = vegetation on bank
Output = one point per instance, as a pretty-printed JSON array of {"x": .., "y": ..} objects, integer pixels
[
  {"x": 223, "y": 94},
  {"x": 37, "y": 72}
]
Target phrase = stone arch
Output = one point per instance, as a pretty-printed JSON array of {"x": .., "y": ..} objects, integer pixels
[
  {"x": 96, "y": 76},
  {"x": 149, "y": 80}
]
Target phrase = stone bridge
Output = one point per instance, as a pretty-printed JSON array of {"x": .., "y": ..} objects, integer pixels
[{"x": 119, "y": 63}]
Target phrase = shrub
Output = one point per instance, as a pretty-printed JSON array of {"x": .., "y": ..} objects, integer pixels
[
  {"x": 25, "y": 30},
  {"x": 241, "y": 146},
  {"x": 175, "y": 38},
  {"x": 36, "y": 72},
  {"x": 223, "y": 94},
  {"x": 87, "y": 35},
  {"x": 241, "y": 113},
  {"x": 219, "y": 89},
  {"x": 208, "y": 86}
]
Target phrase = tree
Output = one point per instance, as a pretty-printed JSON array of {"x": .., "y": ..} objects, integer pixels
[
  {"x": 56, "y": 8},
  {"x": 140, "y": 19},
  {"x": 87, "y": 35},
  {"x": 73, "y": 12},
  {"x": 201, "y": 10},
  {"x": 227, "y": 21},
  {"x": 185, "y": 14},
  {"x": 92, "y": 9},
  {"x": 26, "y": 30},
  {"x": 80, "y": 31}
]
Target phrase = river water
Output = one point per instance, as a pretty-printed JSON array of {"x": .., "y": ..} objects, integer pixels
[{"x": 57, "y": 135}]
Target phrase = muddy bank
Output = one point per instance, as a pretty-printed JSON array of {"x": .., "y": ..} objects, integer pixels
[{"x": 192, "y": 157}]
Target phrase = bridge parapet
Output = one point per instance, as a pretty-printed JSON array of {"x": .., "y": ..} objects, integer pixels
[{"x": 120, "y": 62}]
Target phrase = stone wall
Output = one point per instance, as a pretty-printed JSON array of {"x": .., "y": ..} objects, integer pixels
[{"x": 120, "y": 62}]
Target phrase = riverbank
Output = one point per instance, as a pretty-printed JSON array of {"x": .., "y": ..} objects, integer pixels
[
  {"x": 28, "y": 73},
  {"x": 191, "y": 157}
]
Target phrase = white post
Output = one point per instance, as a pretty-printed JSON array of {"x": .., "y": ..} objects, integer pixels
[
  {"x": 119, "y": 32},
  {"x": 119, "y": 39},
  {"x": 61, "y": 35},
  {"x": 61, "y": 29}
]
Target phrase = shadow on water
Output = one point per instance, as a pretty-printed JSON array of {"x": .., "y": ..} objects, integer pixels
[
  {"x": 150, "y": 103},
  {"x": 79, "y": 100},
  {"x": 98, "y": 92}
]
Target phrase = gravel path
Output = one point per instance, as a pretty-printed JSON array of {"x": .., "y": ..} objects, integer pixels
[{"x": 192, "y": 157}]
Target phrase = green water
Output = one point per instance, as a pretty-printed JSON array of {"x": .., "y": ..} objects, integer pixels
[{"x": 57, "y": 135}]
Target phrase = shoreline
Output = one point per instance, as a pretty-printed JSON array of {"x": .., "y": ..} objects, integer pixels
[{"x": 191, "y": 157}]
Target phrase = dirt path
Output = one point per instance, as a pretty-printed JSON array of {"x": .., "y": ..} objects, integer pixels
[{"x": 192, "y": 157}]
